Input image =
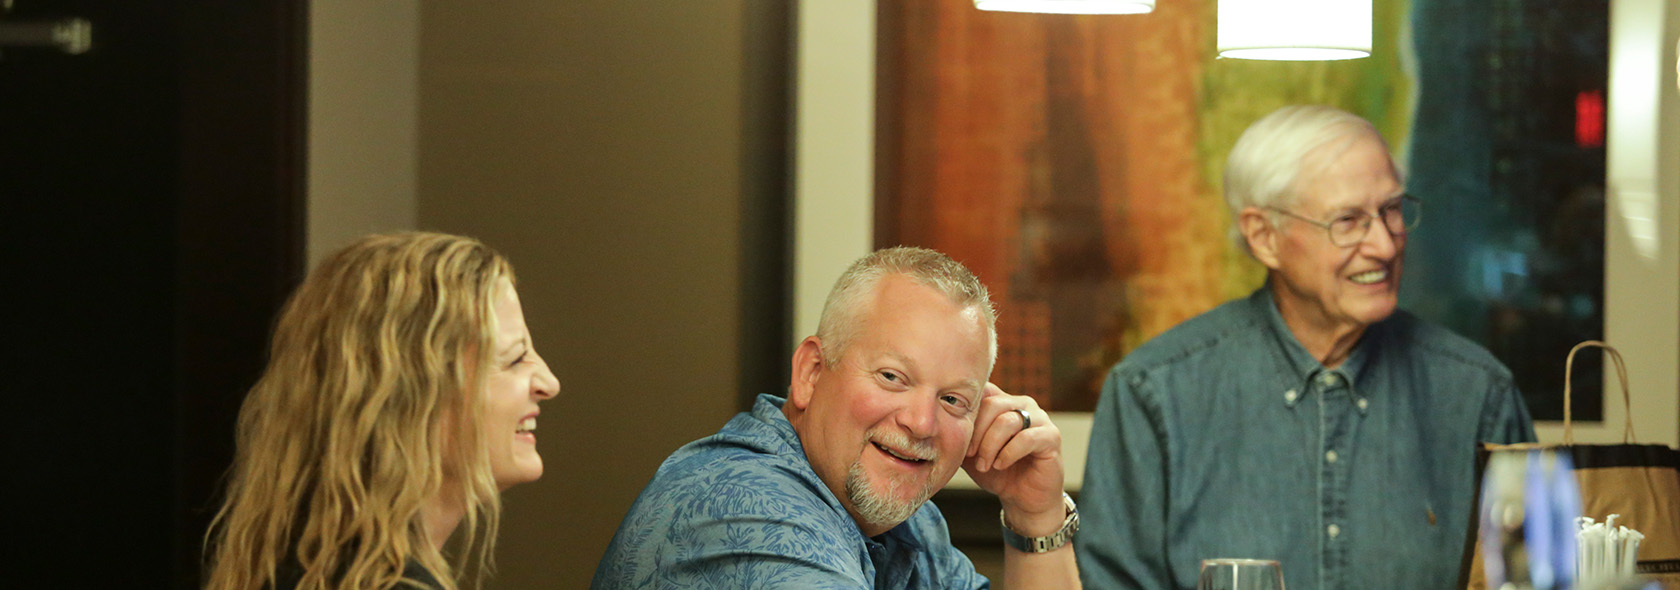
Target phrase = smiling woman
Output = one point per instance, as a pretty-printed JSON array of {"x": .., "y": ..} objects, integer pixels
[{"x": 400, "y": 398}]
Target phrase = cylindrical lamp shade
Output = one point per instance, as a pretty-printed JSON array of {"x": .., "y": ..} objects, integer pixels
[
  {"x": 1295, "y": 29},
  {"x": 1068, "y": 6}
]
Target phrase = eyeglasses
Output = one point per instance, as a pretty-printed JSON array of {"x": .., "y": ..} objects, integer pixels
[{"x": 1400, "y": 215}]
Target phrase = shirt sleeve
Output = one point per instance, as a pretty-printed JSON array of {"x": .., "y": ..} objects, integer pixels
[
  {"x": 1505, "y": 417},
  {"x": 730, "y": 527},
  {"x": 1122, "y": 533}
]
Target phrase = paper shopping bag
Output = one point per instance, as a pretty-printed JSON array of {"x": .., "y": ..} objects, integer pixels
[{"x": 1639, "y": 482}]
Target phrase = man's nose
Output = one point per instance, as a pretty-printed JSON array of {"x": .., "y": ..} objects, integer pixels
[
  {"x": 1379, "y": 242},
  {"x": 920, "y": 416}
]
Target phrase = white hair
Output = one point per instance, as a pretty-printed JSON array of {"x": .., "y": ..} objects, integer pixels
[
  {"x": 851, "y": 298},
  {"x": 1268, "y": 165}
]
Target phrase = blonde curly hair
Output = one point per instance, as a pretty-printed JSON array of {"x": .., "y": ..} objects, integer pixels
[{"x": 357, "y": 421}]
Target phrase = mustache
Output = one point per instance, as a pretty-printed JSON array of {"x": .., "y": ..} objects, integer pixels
[{"x": 897, "y": 441}]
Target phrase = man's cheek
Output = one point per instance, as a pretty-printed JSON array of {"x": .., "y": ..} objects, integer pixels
[{"x": 967, "y": 439}]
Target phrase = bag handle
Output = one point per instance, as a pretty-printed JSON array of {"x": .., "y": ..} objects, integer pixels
[{"x": 1621, "y": 373}]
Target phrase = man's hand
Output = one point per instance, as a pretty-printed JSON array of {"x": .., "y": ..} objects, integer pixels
[{"x": 1023, "y": 467}]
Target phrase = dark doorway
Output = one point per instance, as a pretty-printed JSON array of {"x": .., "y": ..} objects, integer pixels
[{"x": 151, "y": 192}]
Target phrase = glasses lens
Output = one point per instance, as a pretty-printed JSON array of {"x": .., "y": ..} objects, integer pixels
[
  {"x": 1349, "y": 229},
  {"x": 1403, "y": 217}
]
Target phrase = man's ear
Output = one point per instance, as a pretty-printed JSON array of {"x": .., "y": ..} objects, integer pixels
[
  {"x": 1261, "y": 235},
  {"x": 807, "y": 367}
]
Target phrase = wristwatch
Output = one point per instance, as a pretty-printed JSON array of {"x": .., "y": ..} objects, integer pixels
[{"x": 1044, "y": 544}]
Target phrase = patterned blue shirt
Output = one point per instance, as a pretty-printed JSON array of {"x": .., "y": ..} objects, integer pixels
[
  {"x": 1224, "y": 438},
  {"x": 743, "y": 509}
]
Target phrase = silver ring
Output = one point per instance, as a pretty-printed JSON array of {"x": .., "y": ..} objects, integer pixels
[{"x": 1026, "y": 419}]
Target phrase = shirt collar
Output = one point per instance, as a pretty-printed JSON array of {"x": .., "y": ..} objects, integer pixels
[
  {"x": 1302, "y": 368},
  {"x": 768, "y": 409}
]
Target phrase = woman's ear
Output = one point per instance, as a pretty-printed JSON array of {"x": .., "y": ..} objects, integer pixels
[
  {"x": 1260, "y": 234},
  {"x": 807, "y": 368}
]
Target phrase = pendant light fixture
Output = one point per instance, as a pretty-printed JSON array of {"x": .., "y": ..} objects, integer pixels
[
  {"x": 1295, "y": 29},
  {"x": 1068, "y": 6}
]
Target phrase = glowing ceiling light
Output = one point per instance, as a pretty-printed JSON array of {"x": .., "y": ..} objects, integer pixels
[
  {"x": 1295, "y": 29},
  {"x": 1068, "y": 6}
]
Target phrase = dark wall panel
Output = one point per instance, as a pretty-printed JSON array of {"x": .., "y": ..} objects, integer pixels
[{"x": 149, "y": 192}]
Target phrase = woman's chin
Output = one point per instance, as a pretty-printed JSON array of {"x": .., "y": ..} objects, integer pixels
[{"x": 527, "y": 471}]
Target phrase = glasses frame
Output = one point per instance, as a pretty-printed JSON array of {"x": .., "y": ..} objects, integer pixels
[{"x": 1366, "y": 220}]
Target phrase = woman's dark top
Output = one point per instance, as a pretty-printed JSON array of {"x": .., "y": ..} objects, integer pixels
[{"x": 290, "y": 572}]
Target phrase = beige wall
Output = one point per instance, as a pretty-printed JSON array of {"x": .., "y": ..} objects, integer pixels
[
  {"x": 600, "y": 145},
  {"x": 363, "y": 77},
  {"x": 834, "y": 167},
  {"x": 620, "y": 155}
]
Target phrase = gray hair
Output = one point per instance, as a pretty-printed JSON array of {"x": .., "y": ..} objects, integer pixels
[
  {"x": 851, "y": 298},
  {"x": 1268, "y": 165}
]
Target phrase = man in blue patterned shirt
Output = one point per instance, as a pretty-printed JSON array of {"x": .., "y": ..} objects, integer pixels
[
  {"x": 829, "y": 487},
  {"x": 1311, "y": 423}
]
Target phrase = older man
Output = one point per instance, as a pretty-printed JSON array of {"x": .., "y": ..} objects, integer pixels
[
  {"x": 829, "y": 487},
  {"x": 1311, "y": 423}
]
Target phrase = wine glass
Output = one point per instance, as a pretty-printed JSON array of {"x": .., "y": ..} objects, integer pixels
[{"x": 1240, "y": 574}]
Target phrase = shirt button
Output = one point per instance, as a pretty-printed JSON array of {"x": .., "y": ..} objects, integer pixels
[
  {"x": 1289, "y": 396},
  {"x": 1328, "y": 379},
  {"x": 1363, "y": 403},
  {"x": 1331, "y": 457},
  {"x": 1333, "y": 530}
]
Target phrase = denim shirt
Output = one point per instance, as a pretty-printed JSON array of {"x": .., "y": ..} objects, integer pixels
[
  {"x": 743, "y": 509},
  {"x": 1223, "y": 437}
]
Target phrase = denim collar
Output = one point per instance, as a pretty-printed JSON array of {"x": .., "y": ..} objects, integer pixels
[
  {"x": 1298, "y": 367},
  {"x": 768, "y": 409}
]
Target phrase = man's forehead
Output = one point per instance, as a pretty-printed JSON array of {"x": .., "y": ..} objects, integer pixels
[
  {"x": 1332, "y": 191},
  {"x": 1337, "y": 201}
]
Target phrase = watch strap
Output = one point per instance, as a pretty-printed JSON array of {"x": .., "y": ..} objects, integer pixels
[{"x": 1070, "y": 526}]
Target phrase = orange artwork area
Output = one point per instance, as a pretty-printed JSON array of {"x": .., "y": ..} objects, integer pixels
[{"x": 1061, "y": 165}]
